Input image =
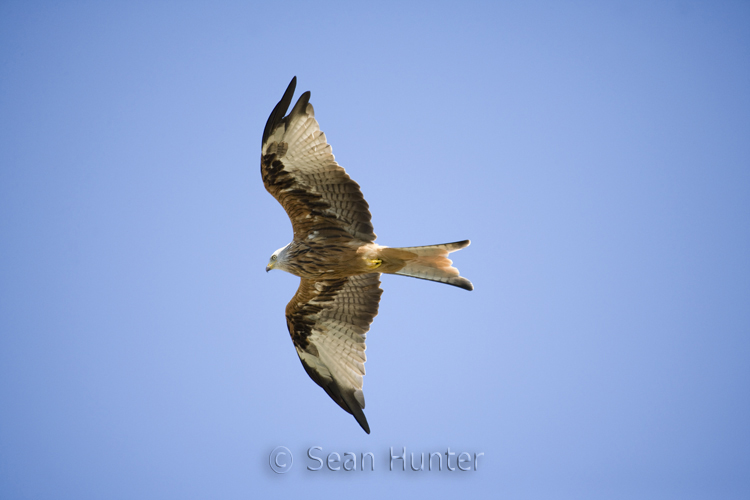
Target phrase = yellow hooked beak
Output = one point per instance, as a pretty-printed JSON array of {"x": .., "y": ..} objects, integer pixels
[{"x": 269, "y": 266}]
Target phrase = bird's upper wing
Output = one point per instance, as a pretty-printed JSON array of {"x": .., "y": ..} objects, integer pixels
[
  {"x": 299, "y": 170},
  {"x": 328, "y": 322}
]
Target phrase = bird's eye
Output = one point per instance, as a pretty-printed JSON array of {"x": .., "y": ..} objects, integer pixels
[{"x": 273, "y": 257}]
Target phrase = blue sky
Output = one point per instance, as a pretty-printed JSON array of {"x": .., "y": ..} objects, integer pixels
[{"x": 596, "y": 154}]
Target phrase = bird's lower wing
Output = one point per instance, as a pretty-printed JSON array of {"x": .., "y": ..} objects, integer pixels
[{"x": 328, "y": 322}]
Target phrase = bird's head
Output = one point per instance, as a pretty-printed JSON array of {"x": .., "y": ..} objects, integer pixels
[{"x": 277, "y": 259}]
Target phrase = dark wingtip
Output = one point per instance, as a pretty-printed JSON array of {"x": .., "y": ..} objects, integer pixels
[
  {"x": 345, "y": 399},
  {"x": 363, "y": 423},
  {"x": 356, "y": 411},
  {"x": 280, "y": 110},
  {"x": 300, "y": 106}
]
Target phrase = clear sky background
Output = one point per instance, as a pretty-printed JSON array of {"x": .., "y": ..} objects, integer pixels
[{"x": 597, "y": 154}]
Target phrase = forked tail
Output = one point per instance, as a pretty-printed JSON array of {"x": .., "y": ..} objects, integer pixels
[{"x": 428, "y": 263}]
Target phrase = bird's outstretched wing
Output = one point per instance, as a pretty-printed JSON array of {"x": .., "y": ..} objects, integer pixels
[
  {"x": 328, "y": 321},
  {"x": 299, "y": 170}
]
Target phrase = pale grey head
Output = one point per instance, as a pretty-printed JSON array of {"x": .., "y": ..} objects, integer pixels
[{"x": 279, "y": 259}]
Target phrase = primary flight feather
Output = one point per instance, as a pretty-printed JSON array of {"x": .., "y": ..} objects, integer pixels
[{"x": 333, "y": 252}]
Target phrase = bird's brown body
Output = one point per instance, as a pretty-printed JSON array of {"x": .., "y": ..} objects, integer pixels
[{"x": 312, "y": 259}]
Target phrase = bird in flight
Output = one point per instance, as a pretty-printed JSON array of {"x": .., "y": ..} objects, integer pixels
[{"x": 333, "y": 252}]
